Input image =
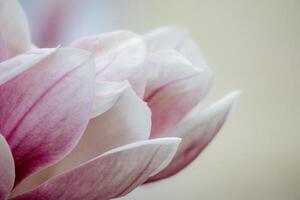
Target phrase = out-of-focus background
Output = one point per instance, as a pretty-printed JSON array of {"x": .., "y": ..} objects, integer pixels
[{"x": 252, "y": 45}]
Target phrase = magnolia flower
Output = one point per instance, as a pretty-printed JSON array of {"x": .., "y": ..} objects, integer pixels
[{"x": 98, "y": 118}]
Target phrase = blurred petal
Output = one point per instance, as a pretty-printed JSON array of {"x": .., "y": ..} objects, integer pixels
[
  {"x": 52, "y": 21},
  {"x": 14, "y": 31},
  {"x": 118, "y": 56},
  {"x": 47, "y": 108},
  {"x": 7, "y": 169},
  {"x": 111, "y": 175},
  {"x": 197, "y": 130},
  {"x": 177, "y": 38},
  {"x": 107, "y": 93},
  {"x": 174, "y": 87}
]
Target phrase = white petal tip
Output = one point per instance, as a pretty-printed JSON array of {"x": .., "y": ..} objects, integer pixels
[
  {"x": 232, "y": 98},
  {"x": 226, "y": 104}
]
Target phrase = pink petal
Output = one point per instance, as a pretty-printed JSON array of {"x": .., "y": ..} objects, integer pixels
[
  {"x": 7, "y": 169},
  {"x": 111, "y": 175},
  {"x": 177, "y": 38},
  {"x": 17, "y": 65},
  {"x": 118, "y": 56},
  {"x": 127, "y": 121},
  {"x": 47, "y": 108},
  {"x": 197, "y": 130},
  {"x": 14, "y": 31},
  {"x": 174, "y": 86}
]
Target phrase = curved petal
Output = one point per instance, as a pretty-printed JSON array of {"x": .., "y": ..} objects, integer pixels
[
  {"x": 127, "y": 121},
  {"x": 14, "y": 31},
  {"x": 47, "y": 108},
  {"x": 118, "y": 56},
  {"x": 177, "y": 38},
  {"x": 197, "y": 130},
  {"x": 7, "y": 169},
  {"x": 174, "y": 86},
  {"x": 107, "y": 93},
  {"x": 166, "y": 67},
  {"x": 110, "y": 175}
]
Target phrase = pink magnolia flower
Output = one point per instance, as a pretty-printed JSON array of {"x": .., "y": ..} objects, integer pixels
[{"x": 103, "y": 116}]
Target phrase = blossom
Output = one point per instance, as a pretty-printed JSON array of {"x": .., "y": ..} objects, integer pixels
[{"x": 100, "y": 117}]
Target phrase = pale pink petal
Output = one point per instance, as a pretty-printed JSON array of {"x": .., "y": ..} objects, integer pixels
[
  {"x": 106, "y": 95},
  {"x": 197, "y": 130},
  {"x": 14, "y": 31},
  {"x": 165, "y": 67},
  {"x": 118, "y": 56},
  {"x": 112, "y": 49},
  {"x": 47, "y": 108},
  {"x": 17, "y": 65},
  {"x": 174, "y": 86},
  {"x": 7, "y": 169},
  {"x": 111, "y": 175},
  {"x": 177, "y": 38},
  {"x": 127, "y": 121}
]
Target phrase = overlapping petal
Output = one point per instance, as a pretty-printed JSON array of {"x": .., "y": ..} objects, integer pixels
[
  {"x": 127, "y": 121},
  {"x": 118, "y": 57},
  {"x": 111, "y": 175},
  {"x": 14, "y": 31},
  {"x": 46, "y": 108},
  {"x": 13, "y": 67},
  {"x": 7, "y": 169},
  {"x": 165, "y": 67},
  {"x": 197, "y": 130},
  {"x": 106, "y": 95},
  {"x": 174, "y": 86},
  {"x": 176, "y": 38}
]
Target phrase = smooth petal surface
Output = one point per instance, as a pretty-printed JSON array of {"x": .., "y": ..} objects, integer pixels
[
  {"x": 14, "y": 31},
  {"x": 174, "y": 86},
  {"x": 118, "y": 56},
  {"x": 110, "y": 175},
  {"x": 197, "y": 130},
  {"x": 46, "y": 109},
  {"x": 165, "y": 67},
  {"x": 7, "y": 169},
  {"x": 176, "y": 38},
  {"x": 107, "y": 93},
  {"x": 15, "y": 66},
  {"x": 127, "y": 121}
]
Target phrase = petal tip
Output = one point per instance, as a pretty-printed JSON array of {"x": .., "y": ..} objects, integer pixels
[
  {"x": 228, "y": 101},
  {"x": 232, "y": 98}
]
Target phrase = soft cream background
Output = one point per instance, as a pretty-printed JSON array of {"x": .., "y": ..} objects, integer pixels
[{"x": 253, "y": 45}]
